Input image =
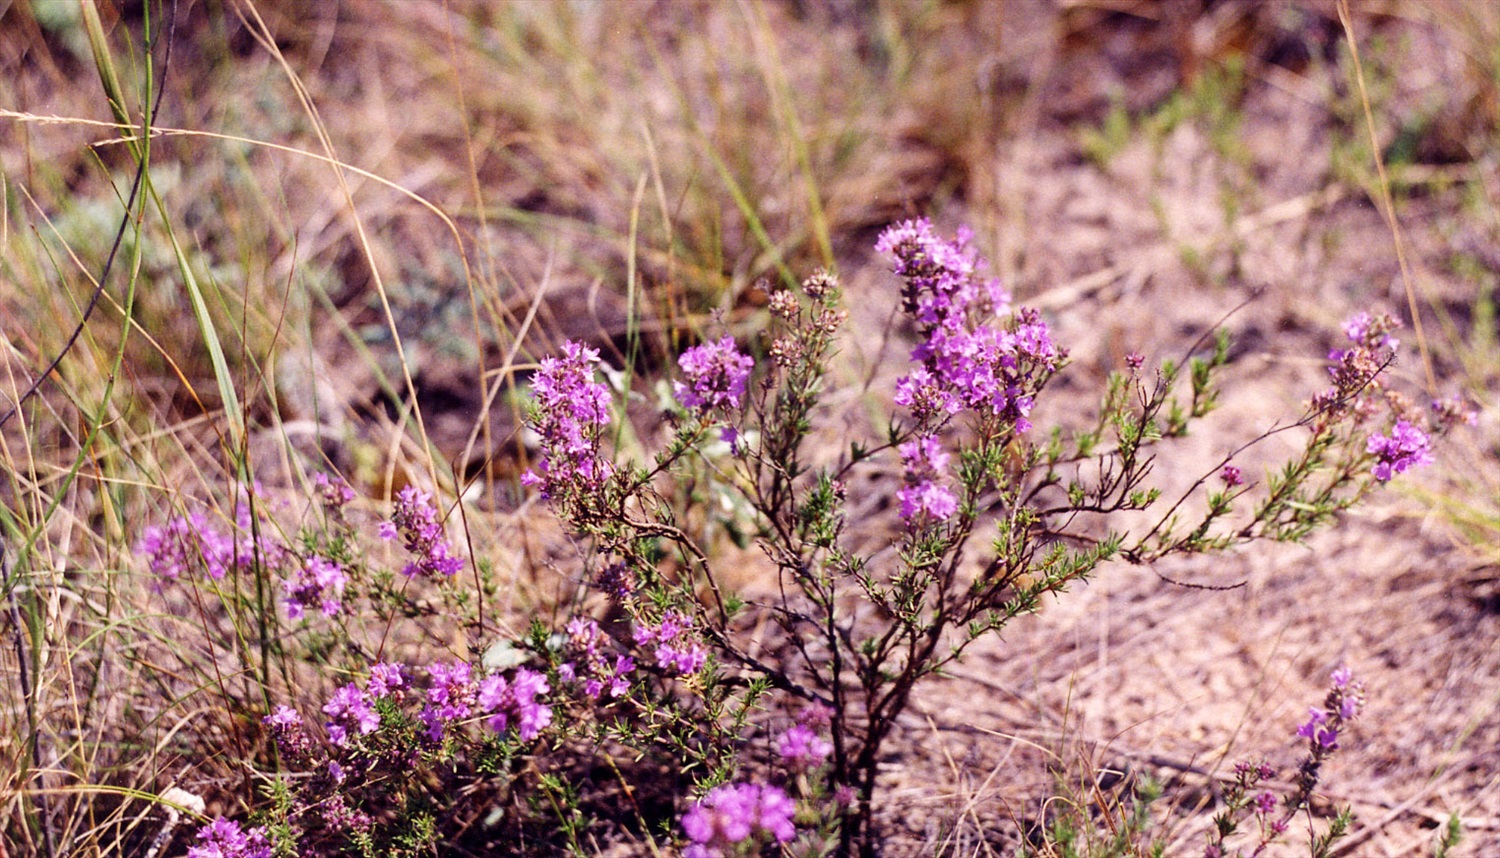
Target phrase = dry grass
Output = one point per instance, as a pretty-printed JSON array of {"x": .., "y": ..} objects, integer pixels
[{"x": 395, "y": 207}]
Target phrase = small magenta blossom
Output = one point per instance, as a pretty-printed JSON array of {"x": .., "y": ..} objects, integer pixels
[
  {"x": 1318, "y": 730},
  {"x": 1356, "y": 371},
  {"x": 387, "y": 679},
  {"x": 180, "y": 546},
  {"x": 332, "y": 491},
  {"x": 734, "y": 813},
  {"x": 616, "y": 580},
  {"x": 1406, "y": 447},
  {"x": 513, "y": 703},
  {"x": 350, "y": 709},
  {"x": 1264, "y": 803},
  {"x": 288, "y": 732},
  {"x": 224, "y": 838},
  {"x": 1232, "y": 476},
  {"x": 801, "y": 748},
  {"x": 675, "y": 648},
  {"x": 964, "y": 361},
  {"x": 1372, "y": 331},
  {"x": 923, "y": 498},
  {"x": 570, "y": 413},
  {"x": 927, "y": 398},
  {"x": 1325, "y": 723},
  {"x": 190, "y": 542},
  {"x": 319, "y": 583},
  {"x": 451, "y": 695},
  {"x": 416, "y": 521},
  {"x": 716, "y": 373},
  {"x": 592, "y": 665}
]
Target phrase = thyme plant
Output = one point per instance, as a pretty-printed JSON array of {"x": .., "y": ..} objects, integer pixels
[
  {"x": 993, "y": 514},
  {"x": 990, "y": 516}
]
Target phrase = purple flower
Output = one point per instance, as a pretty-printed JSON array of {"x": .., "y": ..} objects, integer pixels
[
  {"x": 175, "y": 548},
  {"x": 683, "y": 656},
  {"x": 1406, "y": 447},
  {"x": 514, "y": 703},
  {"x": 334, "y": 492},
  {"x": 349, "y": 708},
  {"x": 386, "y": 679},
  {"x": 1355, "y": 371},
  {"x": 1232, "y": 476},
  {"x": 415, "y": 518},
  {"x": 616, "y": 580},
  {"x": 1342, "y": 705},
  {"x": 450, "y": 697},
  {"x": 287, "y": 730},
  {"x": 801, "y": 748},
  {"x": 1454, "y": 410},
  {"x": 963, "y": 362},
  {"x": 571, "y": 411},
  {"x": 923, "y": 498},
  {"x": 733, "y": 813},
  {"x": 1319, "y": 731},
  {"x": 190, "y": 542},
  {"x": 599, "y": 673},
  {"x": 1341, "y": 676},
  {"x": 224, "y": 838},
  {"x": 318, "y": 584},
  {"x": 1372, "y": 332},
  {"x": 1265, "y": 802},
  {"x": 921, "y": 393},
  {"x": 716, "y": 373}
]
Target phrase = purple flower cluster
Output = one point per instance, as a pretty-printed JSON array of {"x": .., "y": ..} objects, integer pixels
[
  {"x": 591, "y": 665},
  {"x": 349, "y": 710},
  {"x": 386, "y": 679},
  {"x": 224, "y": 838},
  {"x": 333, "y": 492},
  {"x": 513, "y": 702},
  {"x": 1232, "y": 476},
  {"x": 1264, "y": 802},
  {"x": 451, "y": 694},
  {"x": 416, "y": 521},
  {"x": 1323, "y": 725},
  {"x": 190, "y": 542},
  {"x": 1355, "y": 370},
  {"x": 288, "y": 732},
  {"x": 963, "y": 362},
  {"x": 734, "y": 813},
  {"x": 454, "y": 695},
  {"x": 177, "y": 547},
  {"x": 1372, "y": 332},
  {"x": 571, "y": 410},
  {"x": 716, "y": 373},
  {"x": 319, "y": 583},
  {"x": 940, "y": 275},
  {"x": 675, "y": 649},
  {"x": 616, "y": 580},
  {"x": 924, "y": 498},
  {"x": 802, "y": 747},
  {"x": 1406, "y": 447}
]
